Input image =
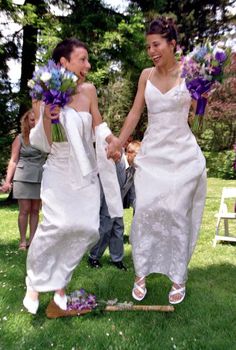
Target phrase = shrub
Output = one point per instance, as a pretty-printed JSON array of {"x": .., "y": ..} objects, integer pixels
[{"x": 220, "y": 164}]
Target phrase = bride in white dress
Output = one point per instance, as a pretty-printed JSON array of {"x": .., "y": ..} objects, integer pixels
[
  {"x": 70, "y": 188},
  {"x": 170, "y": 178}
]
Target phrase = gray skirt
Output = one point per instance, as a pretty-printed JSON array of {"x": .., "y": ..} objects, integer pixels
[{"x": 26, "y": 190}]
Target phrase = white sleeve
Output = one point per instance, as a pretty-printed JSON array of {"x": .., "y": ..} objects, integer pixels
[{"x": 107, "y": 173}]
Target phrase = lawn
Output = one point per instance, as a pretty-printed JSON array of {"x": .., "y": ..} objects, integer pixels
[{"x": 205, "y": 320}]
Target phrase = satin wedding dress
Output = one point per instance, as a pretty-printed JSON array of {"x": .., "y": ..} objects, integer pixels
[
  {"x": 70, "y": 194},
  {"x": 170, "y": 185}
]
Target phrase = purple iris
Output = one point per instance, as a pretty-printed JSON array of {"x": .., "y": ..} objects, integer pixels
[
  {"x": 220, "y": 56},
  {"x": 216, "y": 70},
  {"x": 56, "y": 98}
]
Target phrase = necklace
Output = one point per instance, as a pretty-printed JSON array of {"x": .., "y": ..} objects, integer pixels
[
  {"x": 173, "y": 67},
  {"x": 172, "y": 71}
]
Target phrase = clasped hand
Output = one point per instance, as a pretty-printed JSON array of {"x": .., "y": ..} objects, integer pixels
[{"x": 113, "y": 148}]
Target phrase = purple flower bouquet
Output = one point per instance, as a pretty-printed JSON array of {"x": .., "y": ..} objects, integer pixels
[
  {"x": 54, "y": 85},
  {"x": 202, "y": 68},
  {"x": 81, "y": 300}
]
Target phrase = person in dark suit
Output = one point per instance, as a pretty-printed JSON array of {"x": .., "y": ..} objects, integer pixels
[
  {"x": 128, "y": 190},
  {"x": 111, "y": 230}
]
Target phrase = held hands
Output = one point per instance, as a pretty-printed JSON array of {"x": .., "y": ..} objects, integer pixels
[{"x": 114, "y": 148}]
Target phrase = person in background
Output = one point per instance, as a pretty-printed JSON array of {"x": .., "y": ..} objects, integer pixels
[
  {"x": 111, "y": 230},
  {"x": 128, "y": 190},
  {"x": 24, "y": 174}
]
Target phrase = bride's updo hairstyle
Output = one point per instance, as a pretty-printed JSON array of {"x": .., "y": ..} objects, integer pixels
[
  {"x": 164, "y": 27},
  {"x": 65, "y": 48}
]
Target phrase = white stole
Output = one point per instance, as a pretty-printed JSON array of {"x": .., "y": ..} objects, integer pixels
[
  {"x": 107, "y": 173},
  {"x": 82, "y": 166}
]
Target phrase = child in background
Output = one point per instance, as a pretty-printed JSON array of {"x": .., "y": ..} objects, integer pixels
[{"x": 128, "y": 190}]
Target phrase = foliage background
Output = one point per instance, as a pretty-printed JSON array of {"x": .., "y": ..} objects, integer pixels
[
  {"x": 204, "y": 321},
  {"x": 117, "y": 53}
]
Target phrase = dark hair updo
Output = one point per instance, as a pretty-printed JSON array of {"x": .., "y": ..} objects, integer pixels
[
  {"x": 163, "y": 26},
  {"x": 65, "y": 48}
]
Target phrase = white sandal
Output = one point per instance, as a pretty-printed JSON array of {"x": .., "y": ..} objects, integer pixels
[
  {"x": 140, "y": 287},
  {"x": 176, "y": 290}
]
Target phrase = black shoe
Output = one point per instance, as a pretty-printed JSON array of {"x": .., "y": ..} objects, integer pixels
[
  {"x": 94, "y": 263},
  {"x": 119, "y": 265}
]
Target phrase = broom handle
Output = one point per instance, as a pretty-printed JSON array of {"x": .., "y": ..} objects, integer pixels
[{"x": 165, "y": 308}]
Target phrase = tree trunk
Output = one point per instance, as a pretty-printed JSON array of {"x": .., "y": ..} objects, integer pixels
[{"x": 28, "y": 60}]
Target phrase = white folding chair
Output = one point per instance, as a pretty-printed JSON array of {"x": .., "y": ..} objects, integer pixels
[{"x": 226, "y": 215}]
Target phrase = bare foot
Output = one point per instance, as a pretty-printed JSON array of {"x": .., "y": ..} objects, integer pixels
[{"x": 61, "y": 292}]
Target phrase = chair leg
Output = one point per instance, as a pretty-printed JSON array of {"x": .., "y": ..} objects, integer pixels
[
  {"x": 214, "y": 242},
  {"x": 217, "y": 233},
  {"x": 226, "y": 226}
]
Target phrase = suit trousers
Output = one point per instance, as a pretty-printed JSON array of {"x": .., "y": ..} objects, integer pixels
[{"x": 111, "y": 235}]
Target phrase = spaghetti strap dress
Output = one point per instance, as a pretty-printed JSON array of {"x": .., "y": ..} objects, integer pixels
[{"x": 170, "y": 186}]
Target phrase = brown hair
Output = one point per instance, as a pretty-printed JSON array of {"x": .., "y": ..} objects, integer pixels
[
  {"x": 25, "y": 128},
  {"x": 163, "y": 26},
  {"x": 135, "y": 143},
  {"x": 65, "y": 48}
]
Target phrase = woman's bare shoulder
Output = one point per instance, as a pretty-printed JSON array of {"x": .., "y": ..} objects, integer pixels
[
  {"x": 146, "y": 71},
  {"x": 88, "y": 87},
  {"x": 145, "y": 74}
]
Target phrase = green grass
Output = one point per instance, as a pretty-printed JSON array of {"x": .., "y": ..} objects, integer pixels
[{"x": 205, "y": 320}]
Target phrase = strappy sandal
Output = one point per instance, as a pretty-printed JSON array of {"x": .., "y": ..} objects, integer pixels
[
  {"x": 140, "y": 287},
  {"x": 174, "y": 291}
]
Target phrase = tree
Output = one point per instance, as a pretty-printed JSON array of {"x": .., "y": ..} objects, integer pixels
[{"x": 197, "y": 20}]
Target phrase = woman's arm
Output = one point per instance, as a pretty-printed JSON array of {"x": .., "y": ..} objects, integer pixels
[
  {"x": 97, "y": 118},
  {"x": 15, "y": 154},
  {"x": 132, "y": 118},
  {"x": 48, "y": 116}
]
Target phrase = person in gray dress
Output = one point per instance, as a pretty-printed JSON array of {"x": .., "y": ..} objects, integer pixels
[{"x": 24, "y": 175}]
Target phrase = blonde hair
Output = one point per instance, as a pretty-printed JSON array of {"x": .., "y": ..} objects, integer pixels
[
  {"x": 136, "y": 144},
  {"x": 25, "y": 128}
]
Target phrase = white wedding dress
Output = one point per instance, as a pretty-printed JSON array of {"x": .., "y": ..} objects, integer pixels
[
  {"x": 170, "y": 185},
  {"x": 70, "y": 194}
]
